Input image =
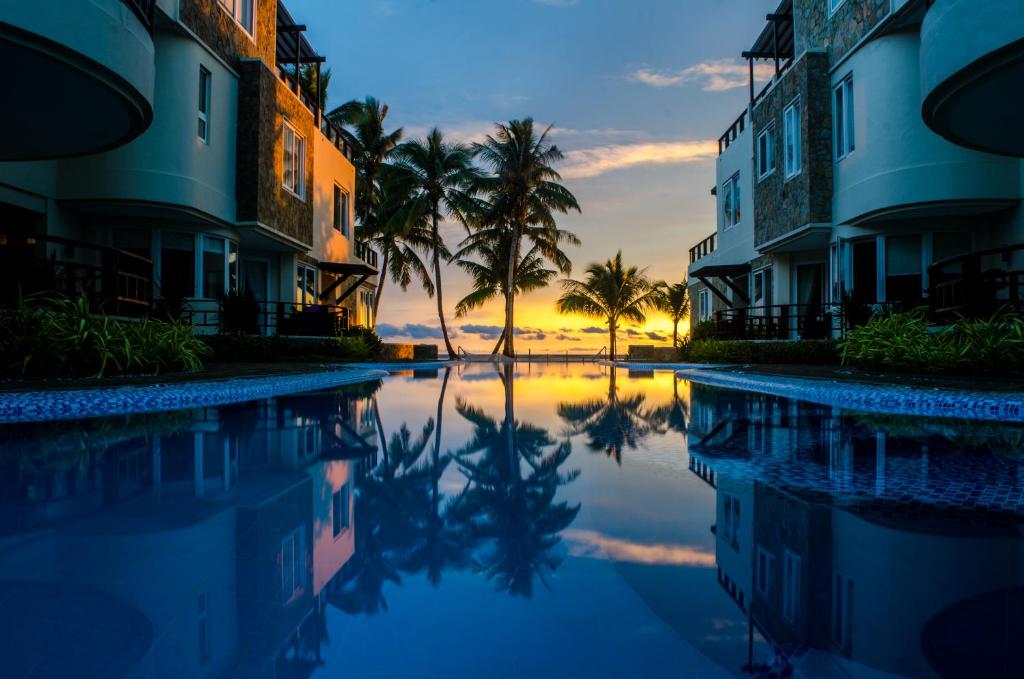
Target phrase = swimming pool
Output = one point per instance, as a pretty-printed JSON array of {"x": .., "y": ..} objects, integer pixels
[{"x": 484, "y": 521}]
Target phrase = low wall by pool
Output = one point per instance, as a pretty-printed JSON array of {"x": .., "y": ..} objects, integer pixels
[
  {"x": 70, "y": 404},
  {"x": 897, "y": 400}
]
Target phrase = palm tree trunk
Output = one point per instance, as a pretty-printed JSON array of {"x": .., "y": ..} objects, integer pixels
[
  {"x": 497, "y": 346},
  {"x": 675, "y": 333},
  {"x": 437, "y": 288},
  {"x": 381, "y": 277},
  {"x": 510, "y": 288},
  {"x": 611, "y": 338}
]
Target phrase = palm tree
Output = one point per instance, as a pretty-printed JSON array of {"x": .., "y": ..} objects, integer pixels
[
  {"x": 441, "y": 172},
  {"x": 488, "y": 269},
  {"x": 524, "y": 191},
  {"x": 313, "y": 85},
  {"x": 612, "y": 292},
  {"x": 362, "y": 124},
  {"x": 675, "y": 302}
]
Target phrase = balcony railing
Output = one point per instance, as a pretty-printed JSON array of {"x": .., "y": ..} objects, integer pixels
[
  {"x": 796, "y": 321},
  {"x": 268, "y": 318},
  {"x": 328, "y": 128},
  {"x": 115, "y": 281},
  {"x": 734, "y": 131},
  {"x": 143, "y": 9},
  {"x": 366, "y": 253},
  {"x": 962, "y": 285},
  {"x": 703, "y": 248}
]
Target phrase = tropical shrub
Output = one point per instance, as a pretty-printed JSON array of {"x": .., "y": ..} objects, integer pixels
[
  {"x": 373, "y": 343},
  {"x": 702, "y": 331},
  {"x": 282, "y": 349},
  {"x": 905, "y": 342},
  {"x": 817, "y": 352},
  {"x": 56, "y": 336}
]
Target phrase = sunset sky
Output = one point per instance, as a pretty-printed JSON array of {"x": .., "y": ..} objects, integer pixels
[{"x": 639, "y": 91}]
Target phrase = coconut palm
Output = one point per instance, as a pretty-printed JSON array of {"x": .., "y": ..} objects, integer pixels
[
  {"x": 523, "y": 191},
  {"x": 611, "y": 292},
  {"x": 362, "y": 124},
  {"x": 489, "y": 249},
  {"x": 675, "y": 302},
  {"x": 441, "y": 171}
]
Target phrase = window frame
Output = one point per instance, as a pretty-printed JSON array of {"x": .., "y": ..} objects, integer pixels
[
  {"x": 833, "y": 6},
  {"x": 768, "y": 133},
  {"x": 764, "y": 588},
  {"x": 298, "y": 156},
  {"x": 203, "y": 115},
  {"x": 306, "y": 271},
  {"x": 340, "y": 206},
  {"x": 340, "y": 500},
  {"x": 703, "y": 305},
  {"x": 232, "y": 8},
  {"x": 842, "y": 593},
  {"x": 791, "y": 578},
  {"x": 844, "y": 138},
  {"x": 731, "y": 193},
  {"x": 298, "y": 580},
  {"x": 794, "y": 108}
]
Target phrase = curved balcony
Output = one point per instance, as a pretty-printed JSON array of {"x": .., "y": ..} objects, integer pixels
[
  {"x": 972, "y": 65},
  {"x": 900, "y": 168},
  {"x": 82, "y": 73}
]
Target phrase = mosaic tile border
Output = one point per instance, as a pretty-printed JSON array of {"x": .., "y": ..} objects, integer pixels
[
  {"x": 411, "y": 365},
  {"x": 636, "y": 365},
  {"x": 70, "y": 404},
  {"x": 897, "y": 400}
]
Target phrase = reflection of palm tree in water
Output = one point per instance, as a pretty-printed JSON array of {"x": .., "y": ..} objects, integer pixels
[
  {"x": 612, "y": 424},
  {"x": 675, "y": 416},
  {"x": 510, "y": 508}
]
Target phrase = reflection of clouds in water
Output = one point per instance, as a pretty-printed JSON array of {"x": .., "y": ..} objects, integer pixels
[{"x": 589, "y": 543}]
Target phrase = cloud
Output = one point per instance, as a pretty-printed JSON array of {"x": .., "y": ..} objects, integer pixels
[
  {"x": 656, "y": 336},
  {"x": 714, "y": 76},
  {"x": 485, "y": 331},
  {"x": 413, "y": 330},
  {"x": 567, "y": 338},
  {"x": 592, "y": 162},
  {"x": 595, "y": 545},
  {"x": 594, "y": 330}
]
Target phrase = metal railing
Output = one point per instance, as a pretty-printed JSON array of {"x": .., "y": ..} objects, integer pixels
[
  {"x": 962, "y": 285},
  {"x": 734, "y": 131},
  {"x": 268, "y": 318},
  {"x": 327, "y": 127},
  {"x": 366, "y": 253},
  {"x": 115, "y": 281},
  {"x": 143, "y": 10},
  {"x": 704, "y": 248},
  {"x": 797, "y": 321}
]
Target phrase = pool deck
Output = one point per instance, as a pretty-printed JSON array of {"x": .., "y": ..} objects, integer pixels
[{"x": 177, "y": 392}]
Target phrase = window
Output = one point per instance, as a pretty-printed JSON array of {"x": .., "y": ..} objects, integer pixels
[
  {"x": 731, "y": 200},
  {"x": 213, "y": 267},
  {"x": 177, "y": 265},
  {"x": 791, "y": 586},
  {"x": 791, "y": 139},
  {"x": 306, "y": 284},
  {"x": 244, "y": 12},
  {"x": 731, "y": 521},
  {"x": 341, "y": 210},
  {"x": 833, "y": 5},
  {"x": 842, "y": 594},
  {"x": 842, "y": 112},
  {"x": 766, "y": 152},
  {"x": 903, "y": 281},
  {"x": 340, "y": 510},
  {"x": 761, "y": 293},
  {"x": 232, "y": 267},
  {"x": 703, "y": 304},
  {"x": 765, "y": 565},
  {"x": 204, "y": 105},
  {"x": 294, "y": 161},
  {"x": 292, "y": 560}
]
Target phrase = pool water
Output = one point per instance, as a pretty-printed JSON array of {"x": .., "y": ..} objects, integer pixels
[{"x": 484, "y": 521}]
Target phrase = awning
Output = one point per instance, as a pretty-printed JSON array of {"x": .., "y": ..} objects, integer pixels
[
  {"x": 807, "y": 237},
  {"x": 348, "y": 268},
  {"x": 719, "y": 270},
  {"x": 776, "y": 40}
]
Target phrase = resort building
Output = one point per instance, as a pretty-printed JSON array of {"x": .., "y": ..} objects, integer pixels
[
  {"x": 879, "y": 166},
  {"x": 186, "y": 162}
]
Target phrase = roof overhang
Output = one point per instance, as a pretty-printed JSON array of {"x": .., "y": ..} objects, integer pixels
[
  {"x": 348, "y": 268},
  {"x": 720, "y": 270},
  {"x": 807, "y": 237}
]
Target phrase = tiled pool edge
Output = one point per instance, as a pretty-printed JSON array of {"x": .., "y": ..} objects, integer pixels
[
  {"x": 896, "y": 400},
  {"x": 71, "y": 404},
  {"x": 674, "y": 367}
]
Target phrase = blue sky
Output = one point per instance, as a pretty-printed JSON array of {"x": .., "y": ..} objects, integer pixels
[{"x": 638, "y": 92}]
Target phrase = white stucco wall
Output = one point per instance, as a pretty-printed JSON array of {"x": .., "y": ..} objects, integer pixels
[
  {"x": 898, "y": 161},
  {"x": 169, "y": 163},
  {"x": 330, "y": 168}
]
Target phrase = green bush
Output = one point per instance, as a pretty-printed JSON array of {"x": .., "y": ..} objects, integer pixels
[
  {"x": 905, "y": 342},
  {"x": 369, "y": 338},
  {"x": 702, "y": 331},
  {"x": 277, "y": 348},
  {"x": 818, "y": 352},
  {"x": 57, "y": 336}
]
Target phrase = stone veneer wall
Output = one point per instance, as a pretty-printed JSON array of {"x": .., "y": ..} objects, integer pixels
[
  {"x": 781, "y": 206},
  {"x": 814, "y": 29},
  {"x": 221, "y": 33},
  {"x": 264, "y": 102}
]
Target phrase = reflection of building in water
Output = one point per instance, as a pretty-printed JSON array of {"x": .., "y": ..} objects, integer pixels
[
  {"x": 222, "y": 527},
  {"x": 833, "y": 565}
]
